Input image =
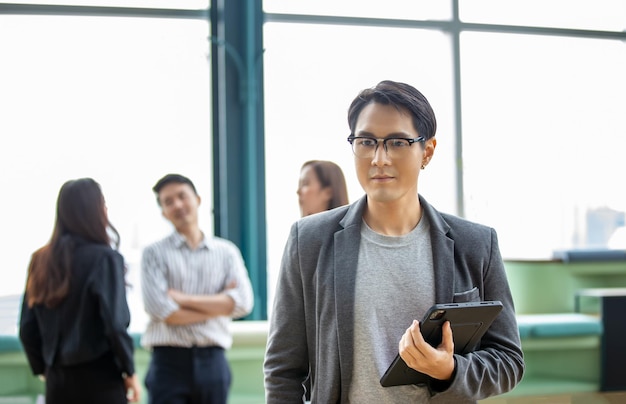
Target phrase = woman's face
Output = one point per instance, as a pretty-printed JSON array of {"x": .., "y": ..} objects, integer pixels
[{"x": 311, "y": 196}]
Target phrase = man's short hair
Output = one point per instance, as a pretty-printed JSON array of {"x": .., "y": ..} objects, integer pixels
[
  {"x": 403, "y": 97},
  {"x": 169, "y": 179}
]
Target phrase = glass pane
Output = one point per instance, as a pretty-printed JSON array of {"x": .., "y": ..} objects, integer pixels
[
  {"x": 400, "y": 9},
  {"x": 543, "y": 130},
  {"x": 604, "y": 15},
  {"x": 121, "y": 100},
  {"x": 178, "y": 4},
  {"x": 312, "y": 74}
]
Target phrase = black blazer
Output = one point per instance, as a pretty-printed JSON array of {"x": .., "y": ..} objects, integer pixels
[{"x": 90, "y": 322}]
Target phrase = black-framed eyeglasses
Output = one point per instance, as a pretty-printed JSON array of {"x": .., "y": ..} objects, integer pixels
[{"x": 395, "y": 147}]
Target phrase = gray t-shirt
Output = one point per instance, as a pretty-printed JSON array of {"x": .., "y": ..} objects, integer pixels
[{"x": 394, "y": 286}]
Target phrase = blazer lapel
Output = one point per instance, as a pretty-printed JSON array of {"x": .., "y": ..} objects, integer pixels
[
  {"x": 443, "y": 254},
  {"x": 346, "y": 253}
]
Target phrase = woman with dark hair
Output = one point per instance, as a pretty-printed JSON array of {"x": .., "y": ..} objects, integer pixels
[
  {"x": 74, "y": 319},
  {"x": 322, "y": 186}
]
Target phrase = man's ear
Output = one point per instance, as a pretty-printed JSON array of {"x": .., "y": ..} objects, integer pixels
[
  {"x": 429, "y": 149},
  {"x": 432, "y": 142}
]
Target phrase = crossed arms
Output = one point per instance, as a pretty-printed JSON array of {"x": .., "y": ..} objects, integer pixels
[{"x": 199, "y": 308}]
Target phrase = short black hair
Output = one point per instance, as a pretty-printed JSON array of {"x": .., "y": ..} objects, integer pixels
[
  {"x": 169, "y": 179},
  {"x": 402, "y": 96}
]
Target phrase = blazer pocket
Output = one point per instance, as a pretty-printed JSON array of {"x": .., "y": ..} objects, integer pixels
[{"x": 472, "y": 295}]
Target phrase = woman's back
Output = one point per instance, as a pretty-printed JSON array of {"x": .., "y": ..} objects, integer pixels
[
  {"x": 75, "y": 316},
  {"x": 93, "y": 313}
]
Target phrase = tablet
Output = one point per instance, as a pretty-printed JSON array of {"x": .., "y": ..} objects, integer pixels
[{"x": 469, "y": 323}]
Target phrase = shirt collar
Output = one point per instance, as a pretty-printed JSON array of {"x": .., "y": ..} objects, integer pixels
[{"x": 180, "y": 241}]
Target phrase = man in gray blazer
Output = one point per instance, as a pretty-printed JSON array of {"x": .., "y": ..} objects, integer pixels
[{"x": 355, "y": 279}]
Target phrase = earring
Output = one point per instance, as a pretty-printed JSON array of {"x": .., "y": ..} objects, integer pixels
[{"x": 423, "y": 166}]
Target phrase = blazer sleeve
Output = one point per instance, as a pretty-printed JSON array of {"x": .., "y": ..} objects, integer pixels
[
  {"x": 110, "y": 290},
  {"x": 30, "y": 337},
  {"x": 497, "y": 366},
  {"x": 286, "y": 362}
]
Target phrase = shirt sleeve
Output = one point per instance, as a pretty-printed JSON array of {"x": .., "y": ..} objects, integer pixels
[
  {"x": 242, "y": 294},
  {"x": 154, "y": 286}
]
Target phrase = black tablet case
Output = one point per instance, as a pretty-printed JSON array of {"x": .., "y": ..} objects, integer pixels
[{"x": 469, "y": 323}]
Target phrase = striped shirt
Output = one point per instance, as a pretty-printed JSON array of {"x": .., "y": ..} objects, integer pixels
[{"x": 171, "y": 264}]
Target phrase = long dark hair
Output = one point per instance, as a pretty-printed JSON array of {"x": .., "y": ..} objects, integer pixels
[{"x": 80, "y": 213}]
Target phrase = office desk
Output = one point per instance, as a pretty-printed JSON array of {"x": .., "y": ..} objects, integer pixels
[{"x": 613, "y": 353}]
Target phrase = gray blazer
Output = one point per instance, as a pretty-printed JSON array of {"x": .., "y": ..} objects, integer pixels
[{"x": 312, "y": 323}]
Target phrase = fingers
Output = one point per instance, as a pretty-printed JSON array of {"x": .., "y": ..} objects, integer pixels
[
  {"x": 132, "y": 389},
  {"x": 447, "y": 342},
  {"x": 173, "y": 294},
  {"x": 416, "y": 333},
  {"x": 132, "y": 396},
  {"x": 438, "y": 362},
  {"x": 407, "y": 339},
  {"x": 410, "y": 346},
  {"x": 176, "y": 295}
]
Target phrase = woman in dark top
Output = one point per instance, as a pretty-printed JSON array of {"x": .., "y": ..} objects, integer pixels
[{"x": 74, "y": 319}]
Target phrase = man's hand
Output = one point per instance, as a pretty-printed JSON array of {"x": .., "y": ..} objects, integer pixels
[
  {"x": 231, "y": 285},
  {"x": 418, "y": 354},
  {"x": 176, "y": 295}
]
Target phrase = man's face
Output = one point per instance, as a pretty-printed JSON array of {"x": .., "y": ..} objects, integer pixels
[
  {"x": 384, "y": 179},
  {"x": 179, "y": 204}
]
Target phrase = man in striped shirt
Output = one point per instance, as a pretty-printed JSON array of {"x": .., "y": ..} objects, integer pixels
[{"x": 193, "y": 285}]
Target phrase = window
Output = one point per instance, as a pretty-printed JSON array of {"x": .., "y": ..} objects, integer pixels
[
  {"x": 401, "y": 9},
  {"x": 122, "y": 100},
  {"x": 541, "y": 100},
  {"x": 602, "y": 15},
  {"x": 543, "y": 139},
  {"x": 312, "y": 74}
]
